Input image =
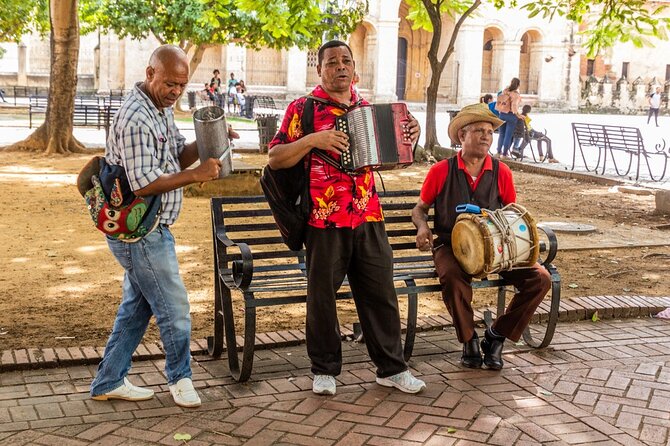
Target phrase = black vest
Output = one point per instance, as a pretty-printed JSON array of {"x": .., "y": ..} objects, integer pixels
[{"x": 457, "y": 191}]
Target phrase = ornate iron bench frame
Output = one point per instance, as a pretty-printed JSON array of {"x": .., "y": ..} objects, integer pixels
[{"x": 266, "y": 273}]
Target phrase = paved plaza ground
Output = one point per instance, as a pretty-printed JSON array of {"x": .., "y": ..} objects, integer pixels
[{"x": 602, "y": 383}]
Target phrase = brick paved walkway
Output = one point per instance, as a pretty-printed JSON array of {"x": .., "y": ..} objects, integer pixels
[{"x": 606, "y": 382}]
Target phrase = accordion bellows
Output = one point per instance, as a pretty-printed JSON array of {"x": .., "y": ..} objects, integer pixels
[{"x": 378, "y": 137}]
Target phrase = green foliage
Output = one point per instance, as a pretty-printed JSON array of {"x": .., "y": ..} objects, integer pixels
[
  {"x": 255, "y": 23},
  {"x": 19, "y": 17},
  {"x": 609, "y": 21},
  {"x": 419, "y": 15}
]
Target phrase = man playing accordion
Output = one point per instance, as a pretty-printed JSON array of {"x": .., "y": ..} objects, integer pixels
[
  {"x": 345, "y": 234},
  {"x": 487, "y": 183}
]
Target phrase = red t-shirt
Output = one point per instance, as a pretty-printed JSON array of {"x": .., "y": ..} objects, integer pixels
[
  {"x": 339, "y": 200},
  {"x": 437, "y": 177}
]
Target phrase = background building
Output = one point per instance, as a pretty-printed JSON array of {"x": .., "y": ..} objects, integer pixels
[{"x": 493, "y": 46}]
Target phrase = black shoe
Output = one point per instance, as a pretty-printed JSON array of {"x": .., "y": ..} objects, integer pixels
[
  {"x": 493, "y": 353},
  {"x": 516, "y": 155},
  {"x": 472, "y": 356}
]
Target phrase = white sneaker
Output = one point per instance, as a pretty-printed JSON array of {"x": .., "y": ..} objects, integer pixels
[
  {"x": 403, "y": 381},
  {"x": 184, "y": 394},
  {"x": 324, "y": 385},
  {"x": 126, "y": 391}
]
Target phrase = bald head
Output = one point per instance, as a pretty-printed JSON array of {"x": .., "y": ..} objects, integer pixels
[
  {"x": 166, "y": 55},
  {"x": 167, "y": 75}
]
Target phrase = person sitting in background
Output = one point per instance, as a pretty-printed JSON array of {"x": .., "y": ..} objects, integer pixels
[
  {"x": 523, "y": 126},
  {"x": 488, "y": 100},
  {"x": 207, "y": 93}
]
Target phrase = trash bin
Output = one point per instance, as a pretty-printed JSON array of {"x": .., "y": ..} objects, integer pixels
[
  {"x": 191, "y": 99},
  {"x": 267, "y": 127},
  {"x": 248, "y": 111}
]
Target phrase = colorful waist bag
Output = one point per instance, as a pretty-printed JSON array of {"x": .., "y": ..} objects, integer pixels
[{"x": 114, "y": 208}]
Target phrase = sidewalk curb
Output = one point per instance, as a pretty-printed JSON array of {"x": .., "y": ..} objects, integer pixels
[
  {"x": 571, "y": 310},
  {"x": 566, "y": 173}
]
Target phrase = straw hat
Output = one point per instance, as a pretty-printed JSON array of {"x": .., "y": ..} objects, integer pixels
[{"x": 472, "y": 113}]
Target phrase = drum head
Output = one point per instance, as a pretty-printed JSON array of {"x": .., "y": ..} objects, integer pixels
[{"x": 470, "y": 244}]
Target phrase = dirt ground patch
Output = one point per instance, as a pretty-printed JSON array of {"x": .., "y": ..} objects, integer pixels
[{"x": 61, "y": 287}]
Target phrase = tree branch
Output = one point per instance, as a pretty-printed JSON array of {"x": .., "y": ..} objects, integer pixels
[{"x": 158, "y": 37}]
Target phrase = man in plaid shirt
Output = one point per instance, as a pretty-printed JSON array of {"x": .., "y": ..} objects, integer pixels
[{"x": 146, "y": 142}]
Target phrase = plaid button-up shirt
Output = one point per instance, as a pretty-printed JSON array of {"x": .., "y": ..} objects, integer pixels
[{"x": 146, "y": 142}]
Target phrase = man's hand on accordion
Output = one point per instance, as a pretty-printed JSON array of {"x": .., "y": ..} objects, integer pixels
[
  {"x": 413, "y": 128},
  {"x": 332, "y": 140}
]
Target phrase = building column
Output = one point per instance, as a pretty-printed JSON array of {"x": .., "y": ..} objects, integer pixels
[
  {"x": 296, "y": 75},
  {"x": 236, "y": 58},
  {"x": 386, "y": 60},
  {"x": 548, "y": 60},
  {"x": 507, "y": 56},
  {"x": 468, "y": 52},
  {"x": 23, "y": 60},
  {"x": 121, "y": 67}
]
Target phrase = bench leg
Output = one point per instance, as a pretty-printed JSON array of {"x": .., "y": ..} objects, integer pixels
[
  {"x": 410, "y": 333},
  {"x": 553, "y": 313},
  {"x": 488, "y": 315},
  {"x": 215, "y": 342},
  {"x": 224, "y": 323}
]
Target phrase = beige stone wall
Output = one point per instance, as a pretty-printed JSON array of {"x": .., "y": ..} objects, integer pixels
[{"x": 266, "y": 67}]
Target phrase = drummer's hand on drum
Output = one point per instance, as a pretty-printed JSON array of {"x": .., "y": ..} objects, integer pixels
[
  {"x": 332, "y": 140},
  {"x": 424, "y": 239},
  {"x": 413, "y": 129},
  {"x": 208, "y": 170}
]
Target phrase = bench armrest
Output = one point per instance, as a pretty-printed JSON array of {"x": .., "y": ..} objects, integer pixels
[
  {"x": 553, "y": 244},
  {"x": 241, "y": 272}
]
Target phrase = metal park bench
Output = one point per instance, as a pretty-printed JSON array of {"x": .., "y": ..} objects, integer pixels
[
  {"x": 88, "y": 111},
  {"x": 623, "y": 146},
  {"x": 253, "y": 269}
]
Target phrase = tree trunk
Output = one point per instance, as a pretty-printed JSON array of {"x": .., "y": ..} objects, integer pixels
[
  {"x": 55, "y": 134},
  {"x": 437, "y": 65},
  {"x": 192, "y": 66},
  {"x": 431, "y": 107}
]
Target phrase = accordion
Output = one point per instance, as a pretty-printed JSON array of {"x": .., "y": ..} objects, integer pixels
[{"x": 378, "y": 137}]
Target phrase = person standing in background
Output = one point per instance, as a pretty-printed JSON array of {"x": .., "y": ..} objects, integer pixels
[
  {"x": 654, "y": 105},
  {"x": 507, "y": 104}
]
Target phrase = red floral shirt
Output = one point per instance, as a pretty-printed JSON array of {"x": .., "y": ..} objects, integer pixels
[{"x": 339, "y": 199}]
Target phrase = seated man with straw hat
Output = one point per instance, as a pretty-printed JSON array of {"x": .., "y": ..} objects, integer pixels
[{"x": 474, "y": 177}]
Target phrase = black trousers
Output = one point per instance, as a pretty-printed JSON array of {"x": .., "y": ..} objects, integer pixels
[{"x": 364, "y": 255}]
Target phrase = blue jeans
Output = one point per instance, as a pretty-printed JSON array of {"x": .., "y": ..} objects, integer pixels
[
  {"x": 506, "y": 132},
  {"x": 151, "y": 285}
]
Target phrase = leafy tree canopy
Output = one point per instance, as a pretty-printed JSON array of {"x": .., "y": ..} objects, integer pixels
[
  {"x": 19, "y": 17},
  {"x": 609, "y": 21},
  {"x": 254, "y": 23}
]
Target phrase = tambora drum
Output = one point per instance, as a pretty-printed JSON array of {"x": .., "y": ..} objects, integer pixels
[{"x": 494, "y": 241}]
